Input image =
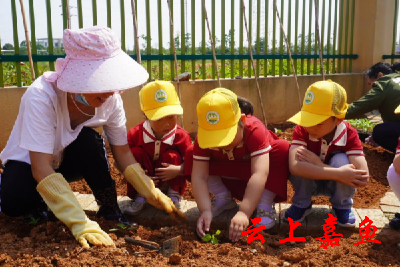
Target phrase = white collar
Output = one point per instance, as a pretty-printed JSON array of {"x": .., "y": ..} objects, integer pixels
[
  {"x": 148, "y": 135},
  {"x": 340, "y": 137}
]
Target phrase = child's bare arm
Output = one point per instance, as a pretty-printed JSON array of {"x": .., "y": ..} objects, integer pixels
[
  {"x": 347, "y": 174},
  {"x": 396, "y": 163},
  {"x": 199, "y": 178},
  {"x": 252, "y": 195},
  {"x": 256, "y": 184},
  {"x": 309, "y": 170},
  {"x": 168, "y": 172}
]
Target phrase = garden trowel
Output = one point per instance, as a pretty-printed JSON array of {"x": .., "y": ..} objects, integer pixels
[{"x": 168, "y": 247}]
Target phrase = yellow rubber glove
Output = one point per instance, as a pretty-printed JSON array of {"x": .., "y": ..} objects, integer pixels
[
  {"x": 136, "y": 176},
  {"x": 58, "y": 195}
]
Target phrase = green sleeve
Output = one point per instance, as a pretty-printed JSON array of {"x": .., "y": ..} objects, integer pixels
[{"x": 370, "y": 101}]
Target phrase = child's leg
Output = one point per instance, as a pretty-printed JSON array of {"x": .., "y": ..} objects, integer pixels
[
  {"x": 341, "y": 194},
  {"x": 144, "y": 160},
  {"x": 304, "y": 189},
  {"x": 222, "y": 196},
  {"x": 394, "y": 180}
]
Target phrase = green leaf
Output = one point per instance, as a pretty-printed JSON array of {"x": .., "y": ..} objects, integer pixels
[
  {"x": 121, "y": 225},
  {"x": 113, "y": 229},
  {"x": 214, "y": 240},
  {"x": 217, "y": 232},
  {"x": 206, "y": 238}
]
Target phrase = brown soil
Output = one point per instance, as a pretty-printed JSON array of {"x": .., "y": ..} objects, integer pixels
[{"x": 51, "y": 243}]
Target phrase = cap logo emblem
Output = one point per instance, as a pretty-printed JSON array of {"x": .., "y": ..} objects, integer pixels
[
  {"x": 309, "y": 98},
  {"x": 212, "y": 117},
  {"x": 160, "y": 96}
]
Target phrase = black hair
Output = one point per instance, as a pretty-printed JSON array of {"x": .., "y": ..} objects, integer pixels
[
  {"x": 245, "y": 105},
  {"x": 383, "y": 67}
]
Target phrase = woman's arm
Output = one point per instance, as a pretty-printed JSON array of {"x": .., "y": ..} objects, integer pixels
[
  {"x": 41, "y": 165},
  {"x": 123, "y": 156}
]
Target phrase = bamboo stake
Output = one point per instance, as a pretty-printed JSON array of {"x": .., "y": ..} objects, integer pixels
[
  {"x": 253, "y": 66},
  {"x": 175, "y": 59},
  {"x": 28, "y": 45},
  {"x": 289, "y": 53},
  {"x": 138, "y": 57},
  {"x": 319, "y": 39},
  {"x": 212, "y": 43},
  {"x": 68, "y": 15}
]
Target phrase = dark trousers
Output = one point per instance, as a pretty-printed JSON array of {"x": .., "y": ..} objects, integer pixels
[
  {"x": 85, "y": 157},
  {"x": 386, "y": 135}
]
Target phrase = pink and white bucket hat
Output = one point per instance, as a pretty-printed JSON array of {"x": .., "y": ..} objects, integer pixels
[{"x": 95, "y": 63}]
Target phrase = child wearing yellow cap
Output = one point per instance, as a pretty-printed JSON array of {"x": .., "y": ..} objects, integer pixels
[
  {"x": 159, "y": 144},
  {"x": 234, "y": 155},
  {"x": 326, "y": 156},
  {"x": 393, "y": 176}
]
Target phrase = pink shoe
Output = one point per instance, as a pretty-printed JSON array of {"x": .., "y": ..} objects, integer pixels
[{"x": 221, "y": 203}]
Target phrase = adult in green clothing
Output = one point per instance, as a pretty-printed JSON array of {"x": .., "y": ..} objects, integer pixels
[{"x": 385, "y": 97}]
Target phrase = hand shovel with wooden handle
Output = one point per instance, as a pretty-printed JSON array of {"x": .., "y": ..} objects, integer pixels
[{"x": 168, "y": 247}]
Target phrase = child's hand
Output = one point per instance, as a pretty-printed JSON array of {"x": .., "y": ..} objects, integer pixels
[
  {"x": 349, "y": 175},
  {"x": 169, "y": 172},
  {"x": 239, "y": 223},
  {"x": 203, "y": 223},
  {"x": 303, "y": 154}
]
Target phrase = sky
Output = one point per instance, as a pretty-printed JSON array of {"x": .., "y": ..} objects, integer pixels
[{"x": 6, "y": 29}]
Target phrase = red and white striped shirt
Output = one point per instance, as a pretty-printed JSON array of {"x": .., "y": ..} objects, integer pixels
[
  {"x": 142, "y": 135},
  {"x": 345, "y": 140},
  {"x": 256, "y": 142}
]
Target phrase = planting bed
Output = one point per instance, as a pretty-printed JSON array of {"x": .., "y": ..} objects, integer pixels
[{"x": 51, "y": 244}]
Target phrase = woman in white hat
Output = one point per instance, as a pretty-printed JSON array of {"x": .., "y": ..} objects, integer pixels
[{"x": 53, "y": 139}]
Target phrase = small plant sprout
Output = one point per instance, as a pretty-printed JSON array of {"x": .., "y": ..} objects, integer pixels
[
  {"x": 362, "y": 125},
  {"x": 122, "y": 228},
  {"x": 33, "y": 220},
  {"x": 276, "y": 130},
  {"x": 211, "y": 238}
]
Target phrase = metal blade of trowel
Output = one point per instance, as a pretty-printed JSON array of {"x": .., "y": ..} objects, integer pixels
[
  {"x": 171, "y": 246},
  {"x": 168, "y": 247}
]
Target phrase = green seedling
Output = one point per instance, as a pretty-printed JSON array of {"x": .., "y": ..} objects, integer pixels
[
  {"x": 362, "y": 125},
  {"x": 33, "y": 220},
  {"x": 211, "y": 238},
  {"x": 277, "y": 130},
  {"x": 122, "y": 228}
]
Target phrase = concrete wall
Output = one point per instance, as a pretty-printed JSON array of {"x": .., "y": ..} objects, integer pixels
[
  {"x": 373, "y": 32},
  {"x": 279, "y": 97}
]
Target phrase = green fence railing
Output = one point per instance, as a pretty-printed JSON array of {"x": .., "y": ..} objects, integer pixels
[{"x": 336, "y": 25}]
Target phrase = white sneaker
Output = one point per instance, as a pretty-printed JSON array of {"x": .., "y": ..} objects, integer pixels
[
  {"x": 267, "y": 218},
  {"x": 221, "y": 203},
  {"x": 136, "y": 206},
  {"x": 176, "y": 199}
]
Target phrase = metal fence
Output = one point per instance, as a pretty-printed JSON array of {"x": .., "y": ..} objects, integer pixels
[{"x": 336, "y": 21}]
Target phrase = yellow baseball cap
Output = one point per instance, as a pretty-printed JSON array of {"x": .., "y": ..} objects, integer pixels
[
  {"x": 323, "y": 99},
  {"x": 397, "y": 110},
  {"x": 218, "y": 114},
  {"x": 159, "y": 99}
]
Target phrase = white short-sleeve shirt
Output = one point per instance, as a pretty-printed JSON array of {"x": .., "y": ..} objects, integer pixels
[{"x": 43, "y": 123}]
